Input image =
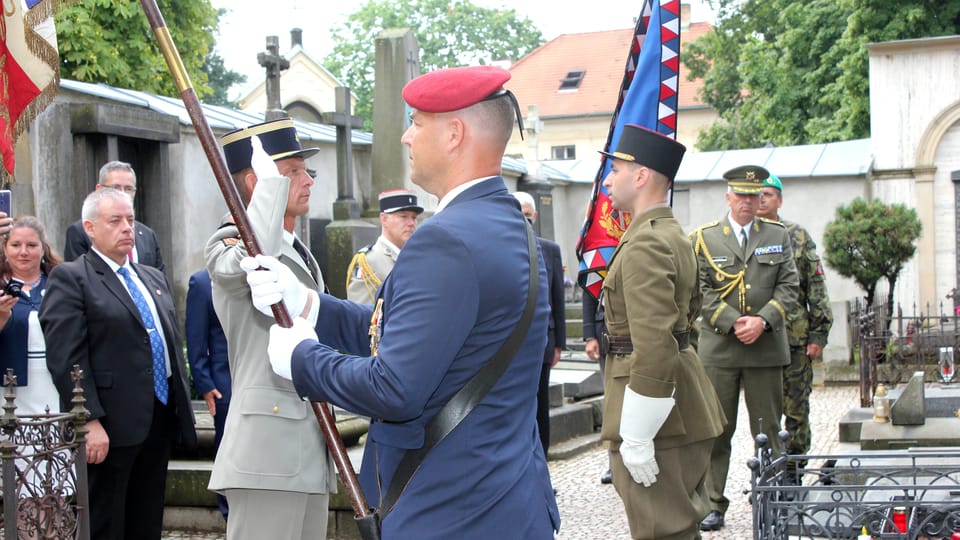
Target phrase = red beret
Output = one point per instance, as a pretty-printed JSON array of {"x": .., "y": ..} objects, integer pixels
[{"x": 453, "y": 89}]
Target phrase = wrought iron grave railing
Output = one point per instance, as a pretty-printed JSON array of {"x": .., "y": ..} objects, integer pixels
[
  {"x": 44, "y": 472},
  {"x": 895, "y": 495}
]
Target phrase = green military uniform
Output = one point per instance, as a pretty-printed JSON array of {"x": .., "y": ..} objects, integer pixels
[
  {"x": 758, "y": 280},
  {"x": 808, "y": 324},
  {"x": 651, "y": 296}
]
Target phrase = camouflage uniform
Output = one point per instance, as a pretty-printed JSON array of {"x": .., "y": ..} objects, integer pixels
[{"x": 808, "y": 324}]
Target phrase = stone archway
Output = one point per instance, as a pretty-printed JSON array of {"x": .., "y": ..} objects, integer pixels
[
  {"x": 930, "y": 140},
  {"x": 933, "y": 178}
]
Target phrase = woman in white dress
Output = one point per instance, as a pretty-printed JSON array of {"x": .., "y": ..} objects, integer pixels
[{"x": 25, "y": 261}]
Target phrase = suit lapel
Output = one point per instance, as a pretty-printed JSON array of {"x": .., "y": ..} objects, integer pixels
[
  {"x": 753, "y": 240},
  {"x": 730, "y": 239},
  {"x": 292, "y": 258},
  {"x": 138, "y": 238},
  {"x": 156, "y": 291},
  {"x": 112, "y": 283}
]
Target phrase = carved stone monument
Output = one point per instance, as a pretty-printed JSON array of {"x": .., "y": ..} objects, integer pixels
[{"x": 397, "y": 61}]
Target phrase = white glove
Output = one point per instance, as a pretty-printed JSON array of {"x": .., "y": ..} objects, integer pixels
[
  {"x": 640, "y": 420},
  {"x": 263, "y": 165},
  {"x": 282, "y": 343},
  {"x": 272, "y": 282}
]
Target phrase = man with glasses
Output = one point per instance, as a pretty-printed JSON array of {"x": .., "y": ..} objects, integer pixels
[{"x": 118, "y": 175}]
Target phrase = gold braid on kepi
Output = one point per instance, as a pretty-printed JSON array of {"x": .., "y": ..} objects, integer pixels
[
  {"x": 370, "y": 279},
  {"x": 736, "y": 280}
]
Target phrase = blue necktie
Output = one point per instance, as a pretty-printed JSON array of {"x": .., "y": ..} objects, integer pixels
[{"x": 156, "y": 342}]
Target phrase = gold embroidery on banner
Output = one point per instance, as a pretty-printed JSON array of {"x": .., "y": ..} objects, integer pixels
[{"x": 613, "y": 227}]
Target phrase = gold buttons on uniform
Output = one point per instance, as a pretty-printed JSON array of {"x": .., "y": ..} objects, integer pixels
[
  {"x": 276, "y": 409},
  {"x": 748, "y": 286},
  {"x": 748, "y": 309}
]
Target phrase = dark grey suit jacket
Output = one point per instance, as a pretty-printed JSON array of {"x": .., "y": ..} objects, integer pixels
[
  {"x": 557, "y": 329},
  {"x": 89, "y": 318},
  {"x": 148, "y": 249}
]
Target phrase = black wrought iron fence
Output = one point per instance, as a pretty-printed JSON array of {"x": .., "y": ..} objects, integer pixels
[
  {"x": 892, "y": 495},
  {"x": 892, "y": 343},
  {"x": 43, "y": 461}
]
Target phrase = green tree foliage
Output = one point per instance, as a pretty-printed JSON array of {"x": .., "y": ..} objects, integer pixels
[
  {"x": 450, "y": 33},
  {"x": 868, "y": 241},
  {"x": 110, "y": 41},
  {"x": 220, "y": 80},
  {"x": 787, "y": 72}
]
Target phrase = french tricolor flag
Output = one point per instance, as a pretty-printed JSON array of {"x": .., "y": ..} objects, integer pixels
[{"x": 29, "y": 69}]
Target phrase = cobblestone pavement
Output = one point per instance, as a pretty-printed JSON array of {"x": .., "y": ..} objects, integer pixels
[{"x": 590, "y": 510}]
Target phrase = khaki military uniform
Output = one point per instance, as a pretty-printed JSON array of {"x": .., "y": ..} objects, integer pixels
[
  {"x": 273, "y": 456},
  {"x": 809, "y": 324},
  {"x": 651, "y": 298},
  {"x": 757, "y": 280},
  {"x": 367, "y": 270}
]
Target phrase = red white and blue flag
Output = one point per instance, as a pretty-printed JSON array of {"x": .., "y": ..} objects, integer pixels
[
  {"x": 29, "y": 68},
  {"x": 648, "y": 97}
]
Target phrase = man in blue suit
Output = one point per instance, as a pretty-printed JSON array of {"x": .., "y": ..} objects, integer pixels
[
  {"x": 456, "y": 293},
  {"x": 207, "y": 355}
]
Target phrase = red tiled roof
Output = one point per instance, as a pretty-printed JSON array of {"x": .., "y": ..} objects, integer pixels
[{"x": 536, "y": 77}]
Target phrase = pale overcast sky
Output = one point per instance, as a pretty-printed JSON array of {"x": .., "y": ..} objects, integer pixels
[{"x": 244, "y": 28}]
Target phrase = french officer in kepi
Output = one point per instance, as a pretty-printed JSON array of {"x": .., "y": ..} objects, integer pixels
[
  {"x": 749, "y": 283},
  {"x": 371, "y": 264}
]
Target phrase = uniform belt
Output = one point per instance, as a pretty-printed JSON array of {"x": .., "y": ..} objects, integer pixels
[{"x": 623, "y": 345}]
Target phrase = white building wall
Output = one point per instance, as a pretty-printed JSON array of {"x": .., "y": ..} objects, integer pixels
[
  {"x": 947, "y": 160},
  {"x": 911, "y": 83}
]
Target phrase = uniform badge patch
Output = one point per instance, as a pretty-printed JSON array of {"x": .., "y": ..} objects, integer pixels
[
  {"x": 766, "y": 250},
  {"x": 230, "y": 241}
]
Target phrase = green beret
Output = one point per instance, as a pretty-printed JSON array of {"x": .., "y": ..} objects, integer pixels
[{"x": 773, "y": 181}]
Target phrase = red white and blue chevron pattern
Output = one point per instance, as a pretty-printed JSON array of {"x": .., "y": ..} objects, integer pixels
[{"x": 648, "y": 97}]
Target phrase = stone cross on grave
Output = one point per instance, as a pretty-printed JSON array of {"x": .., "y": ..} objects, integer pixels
[
  {"x": 274, "y": 63},
  {"x": 346, "y": 233},
  {"x": 346, "y": 206}
]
